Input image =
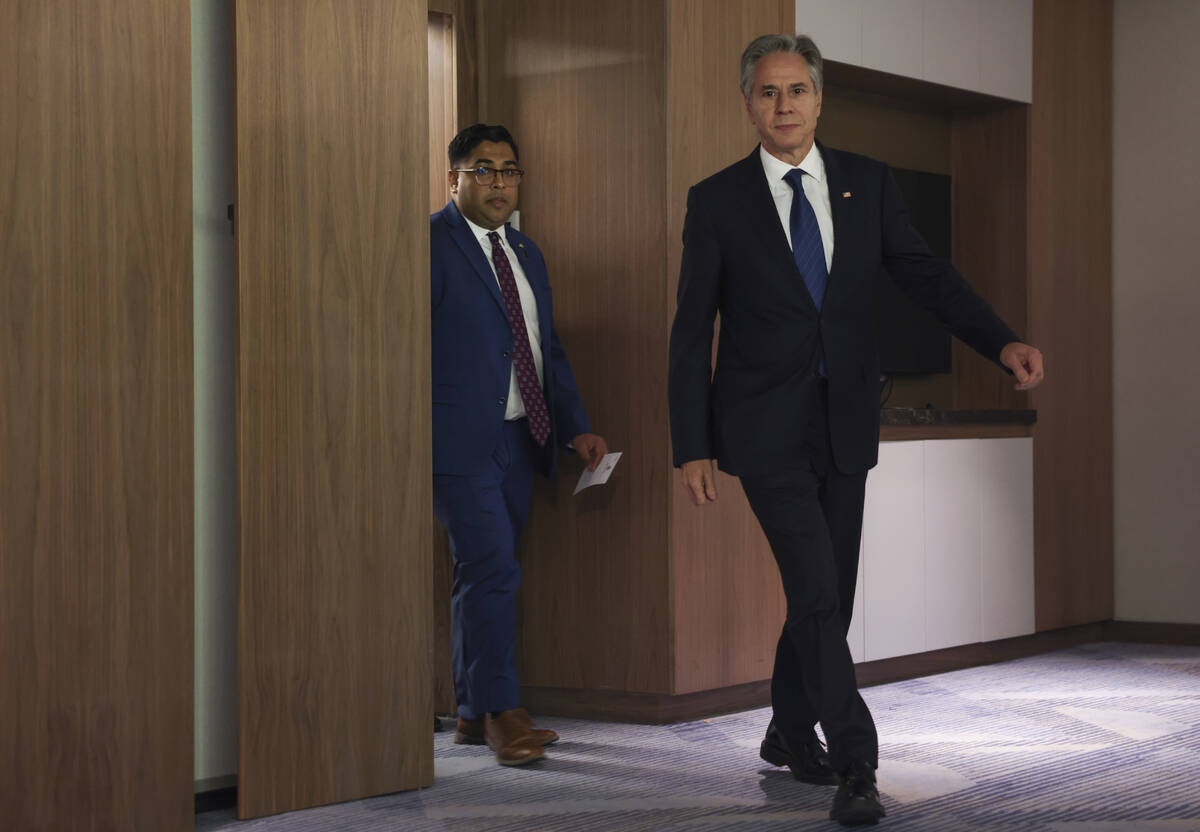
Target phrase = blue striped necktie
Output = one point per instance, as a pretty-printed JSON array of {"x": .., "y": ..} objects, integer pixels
[{"x": 807, "y": 248}]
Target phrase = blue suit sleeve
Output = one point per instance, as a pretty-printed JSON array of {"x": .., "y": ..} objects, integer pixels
[{"x": 570, "y": 418}]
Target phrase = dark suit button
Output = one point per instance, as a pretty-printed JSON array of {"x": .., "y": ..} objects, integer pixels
[
  {"x": 500, "y": 402},
  {"x": 504, "y": 354}
]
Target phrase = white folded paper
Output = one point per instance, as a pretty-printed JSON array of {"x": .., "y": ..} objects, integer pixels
[{"x": 601, "y": 474}]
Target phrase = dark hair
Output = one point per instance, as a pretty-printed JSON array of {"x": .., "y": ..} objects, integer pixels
[
  {"x": 764, "y": 45},
  {"x": 469, "y": 138}
]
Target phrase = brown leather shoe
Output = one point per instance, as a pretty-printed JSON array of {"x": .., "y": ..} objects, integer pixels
[
  {"x": 511, "y": 738},
  {"x": 544, "y": 735},
  {"x": 470, "y": 732}
]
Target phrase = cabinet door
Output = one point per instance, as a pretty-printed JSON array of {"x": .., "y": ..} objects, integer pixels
[
  {"x": 1006, "y": 538},
  {"x": 894, "y": 552},
  {"x": 951, "y": 542},
  {"x": 858, "y": 634},
  {"x": 333, "y": 421}
]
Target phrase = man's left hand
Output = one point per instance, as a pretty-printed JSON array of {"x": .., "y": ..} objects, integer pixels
[
  {"x": 591, "y": 447},
  {"x": 1025, "y": 362}
]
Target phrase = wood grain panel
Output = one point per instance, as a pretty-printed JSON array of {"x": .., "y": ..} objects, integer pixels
[
  {"x": 443, "y": 104},
  {"x": 894, "y": 130},
  {"x": 1070, "y": 303},
  {"x": 451, "y": 79},
  {"x": 727, "y": 598},
  {"x": 990, "y": 170},
  {"x": 333, "y": 402},
  {"x": 96, "y": 577},
  {"x": 581, "y": 88}
]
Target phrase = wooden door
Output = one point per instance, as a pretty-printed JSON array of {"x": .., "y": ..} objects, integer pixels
[
  {"x": 95, "y": 415},
  {"x": 333, "y": 423}
]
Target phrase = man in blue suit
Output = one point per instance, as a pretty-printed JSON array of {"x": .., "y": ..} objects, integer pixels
[{"x": 504, "y": 400}]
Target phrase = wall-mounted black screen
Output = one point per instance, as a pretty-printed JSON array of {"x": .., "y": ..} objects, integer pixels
[{"x": 911, "y": 341}]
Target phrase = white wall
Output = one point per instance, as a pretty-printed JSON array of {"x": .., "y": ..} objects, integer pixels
[
  {"x": 214, "y": 300},
  {"x": 980, "y": 45},
  {"x": 1156, "y": 300}
]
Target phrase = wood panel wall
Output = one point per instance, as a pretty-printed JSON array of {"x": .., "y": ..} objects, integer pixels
[
  {"x": 981, "y": 142},
  {"x": 461, "y": 16},
  {"x": 95, "y": 416},
  {"x": 464, "y": 15},
  {"x": 1070, "y": 303},
  {"x": 989, "y": 165},
  {"x": 335, "y": 627},
  {"x": 728, "y": 605},
  {"x": 581, "y": 88},
  {"x": 443, "y": 113},
  {"x": 561, "y": 77}
]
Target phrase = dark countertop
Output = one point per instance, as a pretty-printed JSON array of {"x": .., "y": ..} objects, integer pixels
[{"x": 910, "y": 417}]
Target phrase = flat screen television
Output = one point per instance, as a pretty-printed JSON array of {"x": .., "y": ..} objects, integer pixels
[{"x": 911, "y": 341}]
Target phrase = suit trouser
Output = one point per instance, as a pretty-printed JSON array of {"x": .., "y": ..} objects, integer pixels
[
  {"x": 484, "y": 514},
  {"x": 812, "y": 517}
]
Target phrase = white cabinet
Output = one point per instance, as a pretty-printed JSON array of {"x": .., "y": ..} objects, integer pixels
[
  {"x": 952, "y": 523},
  {"x": 857, "y": 635},
  {"x": 980, "y": 45},
  {"x": 894, "y": 552},
  {"x": 947, "y": 551},
  {"x": 1006, "y": 538}
]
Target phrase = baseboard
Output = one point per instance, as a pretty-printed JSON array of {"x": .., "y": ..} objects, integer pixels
[
  {"x": 214, "y": 793},
  {"x": 645, "y": 708},
  {"x": 1152, "y": 632},
  {"x": 897, "y": 669},
  {"x": 660, "y": 708}
]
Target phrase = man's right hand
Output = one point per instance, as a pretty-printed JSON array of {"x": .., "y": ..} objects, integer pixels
[{"x": 700, "y": 476}]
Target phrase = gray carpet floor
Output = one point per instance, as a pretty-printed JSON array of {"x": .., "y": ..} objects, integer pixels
[{"x": 1101, "y": 738}]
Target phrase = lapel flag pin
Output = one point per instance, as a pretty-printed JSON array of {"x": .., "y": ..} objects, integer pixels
[{"x": 845, "y": 194}]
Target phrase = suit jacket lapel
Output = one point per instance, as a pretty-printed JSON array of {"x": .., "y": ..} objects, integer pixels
[
  {"x": 465, "y": 238},
  {"x": 836, "y": 180},
  {"x": 763, "y": 216}
]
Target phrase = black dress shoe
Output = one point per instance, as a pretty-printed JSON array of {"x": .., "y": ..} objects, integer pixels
[
  {"x": 810, "y": 765},
  {"x": 856, "y": 802}
]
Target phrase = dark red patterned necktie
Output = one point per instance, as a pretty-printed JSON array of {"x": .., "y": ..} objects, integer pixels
[{"x": 527, "y": 378}]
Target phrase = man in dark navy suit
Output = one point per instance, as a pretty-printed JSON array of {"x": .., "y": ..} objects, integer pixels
[
  {"x": 785, "y": 246},
  {"x": 504, "y": 400}
]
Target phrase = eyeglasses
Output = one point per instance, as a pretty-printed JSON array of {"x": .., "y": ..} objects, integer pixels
[{"x": 486, "y": 176}]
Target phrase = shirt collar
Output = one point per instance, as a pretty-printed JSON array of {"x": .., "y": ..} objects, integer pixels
[
  {"x": 776, "y": 169},
  {"x": 481, "y": 233}
]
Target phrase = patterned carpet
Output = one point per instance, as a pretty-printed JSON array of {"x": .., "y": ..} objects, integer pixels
[{"x": 1101, "y": 738}]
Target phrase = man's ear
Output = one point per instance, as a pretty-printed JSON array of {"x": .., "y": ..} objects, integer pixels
[{"x": 452, "y": 180}]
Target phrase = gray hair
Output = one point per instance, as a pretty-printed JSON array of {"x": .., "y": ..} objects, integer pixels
[{"x": 764, "y": 45}]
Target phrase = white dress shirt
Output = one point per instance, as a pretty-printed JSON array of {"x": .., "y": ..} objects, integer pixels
[
  {"x": 516, "y": 406},
  {"x": 816, "y": 190}
]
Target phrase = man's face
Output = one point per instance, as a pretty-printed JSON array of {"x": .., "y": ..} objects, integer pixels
[
  {"x": 487, "y": 205},
  {"x": 783, "y": 105}
]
